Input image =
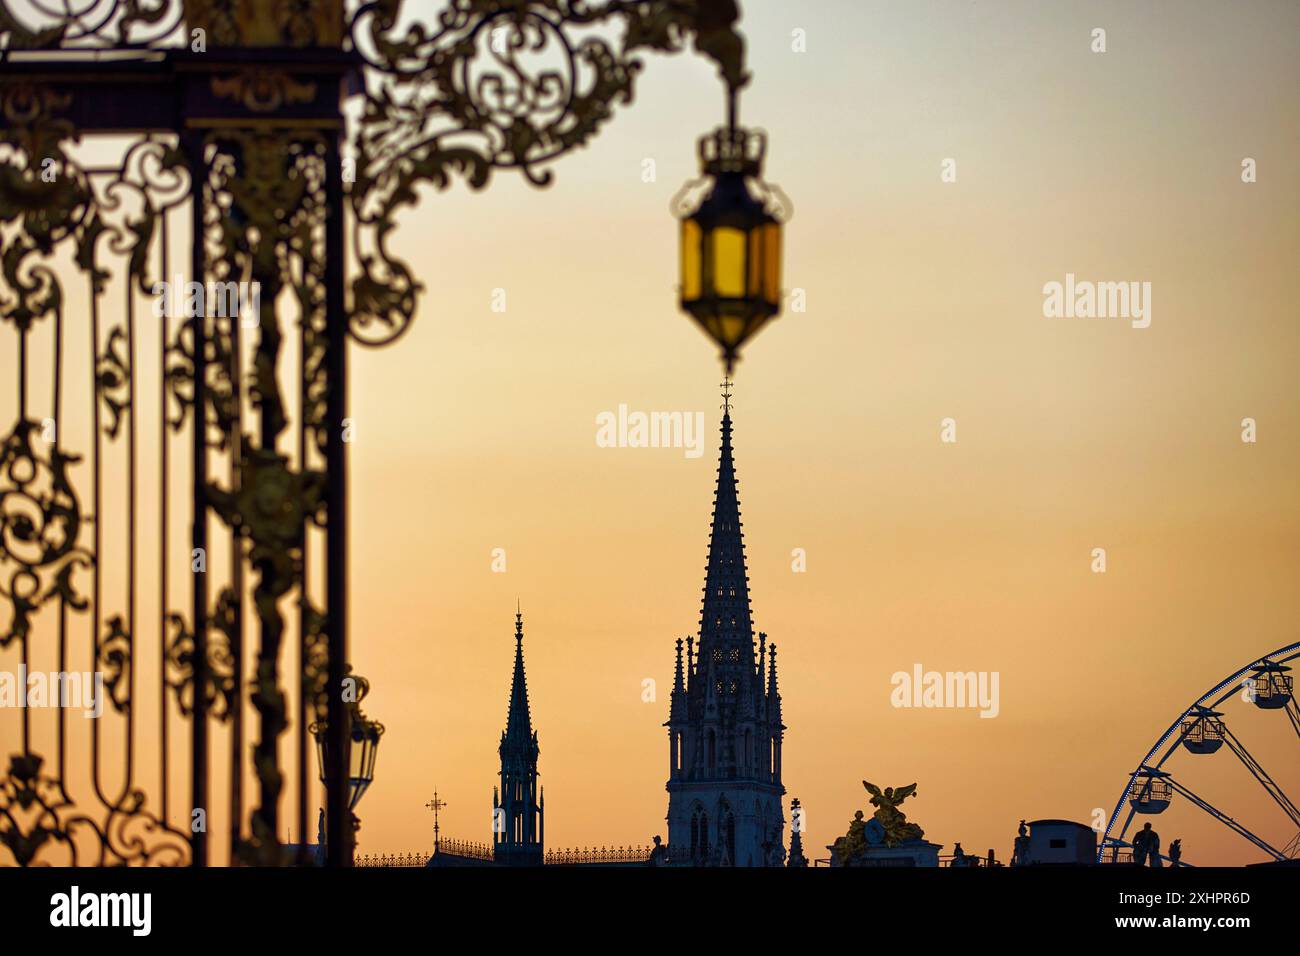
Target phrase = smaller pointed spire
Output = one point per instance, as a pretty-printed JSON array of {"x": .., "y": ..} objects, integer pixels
[
  {"x": 677, "y": 708},
  {"x": 796, "y": 857},
  {"x": 518, "y": 735},
  {"x": 773, "y": 695},
  {"x": 517, "y": 822}
]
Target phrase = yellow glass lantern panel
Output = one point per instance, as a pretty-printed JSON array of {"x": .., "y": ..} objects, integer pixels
[
  {"x": 754, "y": 280},
  {"x": 728, "y": 262},
  {"x": 771, "y": 237},
  {"x": 692, "y": 252}
]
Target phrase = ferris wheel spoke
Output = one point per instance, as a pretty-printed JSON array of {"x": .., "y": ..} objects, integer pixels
[
  {"x": 1223, "y": 818},
  {"x": 1257, "y": 771},
  {"x": 1128, "y": 821}
]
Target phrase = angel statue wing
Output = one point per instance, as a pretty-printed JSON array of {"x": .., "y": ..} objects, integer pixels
[
  {"x": 872, "y": 789},
  {"x": 902, "y": 793}
]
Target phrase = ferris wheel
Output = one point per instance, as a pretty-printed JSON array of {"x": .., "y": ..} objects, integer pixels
[{"x": 1202, "y": 733}]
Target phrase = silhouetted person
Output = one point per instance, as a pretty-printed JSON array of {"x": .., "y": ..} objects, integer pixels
[
  {"x": 958, "y": 856},
  {"x": 1175, "y": 852},
  {"x": 1146, "y": 846},
  {"x": 659, "y": 855},
  {"x": 1020, "y": 852}
]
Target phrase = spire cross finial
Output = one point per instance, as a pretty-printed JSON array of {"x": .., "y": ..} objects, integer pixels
[
  {"x": 435, "y": 805},
  {"x": 726, "y": 393},
  {"x": 519, "y": 623}
]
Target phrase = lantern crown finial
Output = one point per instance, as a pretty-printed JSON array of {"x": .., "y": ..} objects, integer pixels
[{"x": 733, "y": 149}]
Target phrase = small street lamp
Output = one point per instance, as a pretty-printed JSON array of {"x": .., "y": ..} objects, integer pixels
[
  {"x": 363, "y": 745},
  {"x": 731, "y": 238}
]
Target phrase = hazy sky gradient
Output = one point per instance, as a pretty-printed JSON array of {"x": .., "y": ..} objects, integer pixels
[{"x": 924, "y": 302}]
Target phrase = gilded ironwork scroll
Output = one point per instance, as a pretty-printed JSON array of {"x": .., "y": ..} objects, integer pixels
[
  {"x": 55, "y": 212},
  {"x": 493, "y": 86}
]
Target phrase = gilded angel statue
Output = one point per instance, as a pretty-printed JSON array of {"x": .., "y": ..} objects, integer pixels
[{"x": 891, "y": 819}]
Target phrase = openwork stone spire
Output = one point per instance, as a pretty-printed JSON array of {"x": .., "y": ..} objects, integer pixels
[{"x": 726, "y": 631}]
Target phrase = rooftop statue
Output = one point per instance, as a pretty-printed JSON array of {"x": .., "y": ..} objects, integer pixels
[
  {"x": 854, "y": 843},
  {"x": 887, "y": 826},
  {"x": 891, "y": 819}
]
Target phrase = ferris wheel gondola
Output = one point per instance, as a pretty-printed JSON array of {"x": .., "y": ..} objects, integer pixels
[{"x": 1202, "y": 731}]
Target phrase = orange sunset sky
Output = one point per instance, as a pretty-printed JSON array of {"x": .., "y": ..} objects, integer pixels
[{"x": 924, "y": 302}]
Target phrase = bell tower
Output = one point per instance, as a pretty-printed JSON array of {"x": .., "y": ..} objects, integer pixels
[
  {"x": 724, "y": 723},
  {"x": 518, "y": 808}
]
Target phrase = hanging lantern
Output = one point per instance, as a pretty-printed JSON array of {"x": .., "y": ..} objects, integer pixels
[{"x": 731, "y": 240}]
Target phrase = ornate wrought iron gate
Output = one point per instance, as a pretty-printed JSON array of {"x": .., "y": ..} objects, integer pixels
[{"x": 175, "y": 186}]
